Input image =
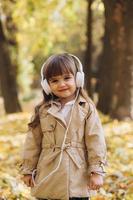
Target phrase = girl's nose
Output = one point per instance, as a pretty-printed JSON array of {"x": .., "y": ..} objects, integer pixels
[{"x": 61, "y": 83}]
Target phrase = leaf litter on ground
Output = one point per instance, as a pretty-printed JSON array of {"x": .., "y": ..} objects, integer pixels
[{"x": 118, "y": 181}]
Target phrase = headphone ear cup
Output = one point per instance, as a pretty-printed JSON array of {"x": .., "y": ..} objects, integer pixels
[
  {"x": 80, "y": 79},
  {"x": 46, "y": 86}
]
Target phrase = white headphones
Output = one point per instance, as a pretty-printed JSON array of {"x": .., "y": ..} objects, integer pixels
[{"x": 79, "y": 77}]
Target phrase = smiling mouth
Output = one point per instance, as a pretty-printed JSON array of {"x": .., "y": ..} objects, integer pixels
[{"x": 63, "y": 90}]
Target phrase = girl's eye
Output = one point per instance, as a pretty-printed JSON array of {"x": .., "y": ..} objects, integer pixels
[
  {"x": 67, "y": 77},
  {"x": 54, "y": 81}
]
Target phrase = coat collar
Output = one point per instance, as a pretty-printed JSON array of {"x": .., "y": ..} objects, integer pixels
[
  {"x": 53, "y": 108},
  {"x": 50, "y": 103}
]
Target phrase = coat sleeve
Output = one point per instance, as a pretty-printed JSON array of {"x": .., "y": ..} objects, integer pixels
[
  {"x": 31, "y": 150},
  {"x": 95, "y": 142}
]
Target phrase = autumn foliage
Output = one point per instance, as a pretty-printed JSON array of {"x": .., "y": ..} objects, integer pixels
[{"x": 118, "y": 181}]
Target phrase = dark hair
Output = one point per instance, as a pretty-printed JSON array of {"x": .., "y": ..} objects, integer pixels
[
  {"x": 58, "y": 65},
  {"x": 55, "y": 65}
]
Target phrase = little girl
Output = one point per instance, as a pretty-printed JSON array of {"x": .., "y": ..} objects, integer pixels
[{"x": 64, "y": 151}]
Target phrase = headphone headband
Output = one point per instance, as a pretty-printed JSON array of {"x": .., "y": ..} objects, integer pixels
[
  {"x": 42, "y": 70},
  {"x": 79, "y": 62}
]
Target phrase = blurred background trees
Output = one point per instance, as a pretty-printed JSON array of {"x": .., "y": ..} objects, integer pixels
[
  {"x": 98, "y": 32},
  {"x": 8, "y": 60},
  {"x": 116, "y": 62}
]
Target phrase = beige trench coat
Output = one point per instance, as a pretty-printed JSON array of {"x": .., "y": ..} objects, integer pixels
[{"x": 84, "y": 151}]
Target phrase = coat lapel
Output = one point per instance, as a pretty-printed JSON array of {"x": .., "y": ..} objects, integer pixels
[
  {"x": 54, "y": 110},
  {"x": 79, "y": 113}
]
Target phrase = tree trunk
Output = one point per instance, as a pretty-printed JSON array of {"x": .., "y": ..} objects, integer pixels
[
  {"x": 88, "y": 55},
  {"x": 123, "y": 37},
  {"x": 116, "y": 79},
  {"x": 7, "y": 77},
  {"x": 105, "y": 74}
]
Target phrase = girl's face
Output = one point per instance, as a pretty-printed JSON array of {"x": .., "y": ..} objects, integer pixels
[{"x": 63, "y": 86}]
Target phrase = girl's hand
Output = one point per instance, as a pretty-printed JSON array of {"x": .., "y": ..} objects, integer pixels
[
  {"x": 96, "y": 181},
  {"x": 27, "y": 179}
]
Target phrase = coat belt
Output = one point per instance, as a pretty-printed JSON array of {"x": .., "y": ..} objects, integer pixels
[
  {"x": 67, "y": 145},
  {"x": 67, "y": 148}
]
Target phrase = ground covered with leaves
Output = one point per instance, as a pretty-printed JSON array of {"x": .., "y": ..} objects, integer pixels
[{"x": 118, "y": 181}]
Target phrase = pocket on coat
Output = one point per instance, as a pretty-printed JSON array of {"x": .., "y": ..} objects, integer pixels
[
  {"x": 48, "y": 123},
  {"x": 78, "y": 156}
]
